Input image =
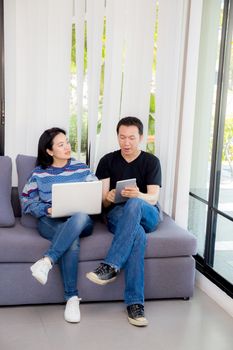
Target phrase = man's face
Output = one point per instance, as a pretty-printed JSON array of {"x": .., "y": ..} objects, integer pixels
[{"x": 129, "y": 140}]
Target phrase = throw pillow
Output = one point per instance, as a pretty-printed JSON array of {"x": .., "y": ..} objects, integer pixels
[
  {"x": 25, "y": 165},
  {"x": 7, "y": 217}
]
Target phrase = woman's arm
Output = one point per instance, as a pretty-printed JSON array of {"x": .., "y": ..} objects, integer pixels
[{"x": 31, "y": 202}]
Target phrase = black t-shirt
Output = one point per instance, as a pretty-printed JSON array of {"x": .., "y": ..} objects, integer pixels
[{"x": 145, "y": 168}]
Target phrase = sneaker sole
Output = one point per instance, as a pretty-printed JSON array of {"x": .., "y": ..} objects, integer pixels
[
  {"x": 138, "y": 323},
  {"x": 72, "y": 321},
  {"x": 93, "y": 278}
]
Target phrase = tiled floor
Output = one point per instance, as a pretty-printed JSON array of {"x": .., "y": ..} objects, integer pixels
[{"x": 174, "y": 325}]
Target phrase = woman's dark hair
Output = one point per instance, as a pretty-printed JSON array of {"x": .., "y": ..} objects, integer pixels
[
  {"x": 46, "y": 142},
  {"x": 128, "y": 121}
]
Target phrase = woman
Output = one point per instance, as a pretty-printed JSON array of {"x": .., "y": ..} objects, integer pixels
[{"x": 54, "y": 165}]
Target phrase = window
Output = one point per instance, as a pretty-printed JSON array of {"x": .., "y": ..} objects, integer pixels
[{"x": 211, "y": 187}]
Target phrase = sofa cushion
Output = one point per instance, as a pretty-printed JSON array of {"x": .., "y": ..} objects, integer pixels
[
  {"x": 25, "y": 165},
  {"x": 169, "y": 240},
  {"x": 6, "y": 211}
]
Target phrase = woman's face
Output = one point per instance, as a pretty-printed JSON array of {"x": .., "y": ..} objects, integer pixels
[{"x": 61, "y": 149}]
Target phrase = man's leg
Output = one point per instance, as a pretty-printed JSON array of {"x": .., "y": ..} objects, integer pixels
[
  {"x": 134, "y": 266},
  {"x": 129, "y": 224},
  {"x": 136, "y": 217},
  {"x": 126, "y": 222}
]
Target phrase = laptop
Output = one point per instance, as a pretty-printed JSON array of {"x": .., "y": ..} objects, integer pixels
[{"x": 70, "y": 198}]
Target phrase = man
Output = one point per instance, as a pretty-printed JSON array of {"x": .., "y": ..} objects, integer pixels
[{"x": 131, "y": 220}]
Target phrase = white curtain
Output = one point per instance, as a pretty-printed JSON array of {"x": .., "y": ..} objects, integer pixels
[
  {"x": 176, "y": 82},
  {"x": 170, "y": 60},
  {"x": 130, "y": 30},
  {"x": 187, "y": 115},
  {"x": 37, "y": 70},
  {"x": 130, "y": 26}
]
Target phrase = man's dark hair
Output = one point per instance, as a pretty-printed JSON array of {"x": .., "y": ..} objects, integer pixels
[
  {"x": 46, "y": 142},
  {"x": 128, "y": 121}
]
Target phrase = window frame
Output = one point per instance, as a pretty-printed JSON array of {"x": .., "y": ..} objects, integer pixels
[{"x": 205, "y": 264}]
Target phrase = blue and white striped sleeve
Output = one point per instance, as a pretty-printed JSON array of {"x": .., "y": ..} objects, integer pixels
[{"x": 31, "y": 202}]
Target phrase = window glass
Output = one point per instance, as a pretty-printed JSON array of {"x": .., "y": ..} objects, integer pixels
[
  {"x": 197, "y": 222},
  {"x": 223, "y": 257},
  {"x": 206, "y": 97},
  {"x": 225, "y": 203}
]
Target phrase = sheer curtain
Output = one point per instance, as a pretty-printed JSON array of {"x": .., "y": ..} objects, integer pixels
[
  {"x": 37, "y": 70},
  {"x": 176, "y": 74},
  {"x": 130, "y": 26},
  {"x": 173, "y": 16}
]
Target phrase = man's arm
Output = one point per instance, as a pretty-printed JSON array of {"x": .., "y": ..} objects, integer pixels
[
  {"x": 150, "y": 197},
  {"x": 108, "y": 197},
  {"x": 152, "y": 194}
]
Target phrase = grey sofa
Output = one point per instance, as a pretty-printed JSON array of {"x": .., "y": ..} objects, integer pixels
[{"x": 169, "y": 265}]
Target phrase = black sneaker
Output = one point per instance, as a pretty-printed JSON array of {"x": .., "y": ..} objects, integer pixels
[
  {"x": 103, "y": 274},
  {"x": 136, "y": 315}
]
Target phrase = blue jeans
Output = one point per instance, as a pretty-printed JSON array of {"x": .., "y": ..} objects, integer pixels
[
  {"x": 129, "y": 223},
  {"x": 64, "y": 233}
]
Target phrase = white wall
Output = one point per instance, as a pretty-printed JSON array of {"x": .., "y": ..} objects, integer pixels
[{"x": 220, "y": 297}]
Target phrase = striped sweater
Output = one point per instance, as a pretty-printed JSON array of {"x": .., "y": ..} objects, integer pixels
[{"x": 36, "y": 196}]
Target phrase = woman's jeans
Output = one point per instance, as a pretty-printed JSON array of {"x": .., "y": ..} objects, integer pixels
[
  {"x": 129, "y": 223},
  {"x": 64, "y": 233}
]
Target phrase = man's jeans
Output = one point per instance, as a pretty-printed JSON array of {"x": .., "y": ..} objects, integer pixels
[
  {"x": 129, "y": 223},
  {"x": 64, "y": 233}
]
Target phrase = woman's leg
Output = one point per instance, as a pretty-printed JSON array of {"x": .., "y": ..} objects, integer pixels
[
  {"x": 63, "y": 232},
  {"x": 64, "y": 235}
]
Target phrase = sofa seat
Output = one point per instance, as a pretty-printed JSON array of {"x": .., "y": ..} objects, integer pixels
[{"x": 23, "y": 244}]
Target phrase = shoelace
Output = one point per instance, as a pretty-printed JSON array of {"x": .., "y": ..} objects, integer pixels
[
  {"x": 137, "y": 310},
  {"x": 71, "y": 303},
  {"x": 102, "y": 269}
]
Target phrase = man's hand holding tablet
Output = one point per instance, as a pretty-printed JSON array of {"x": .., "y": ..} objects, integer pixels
[{"x": 127, "y": 186}]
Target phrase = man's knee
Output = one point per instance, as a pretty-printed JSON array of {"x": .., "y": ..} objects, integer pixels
[{"x": 134, "y": 204}]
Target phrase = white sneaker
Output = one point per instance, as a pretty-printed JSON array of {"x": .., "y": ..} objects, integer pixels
[
  {"x": 41, "y": 269},
  {"x": 72, "y": 312}
]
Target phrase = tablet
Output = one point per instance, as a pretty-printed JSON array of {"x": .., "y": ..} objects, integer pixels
[{"x": 120, "y": 185}]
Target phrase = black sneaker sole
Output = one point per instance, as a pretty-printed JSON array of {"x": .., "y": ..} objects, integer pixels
[{"x": 94, "y": 278}]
